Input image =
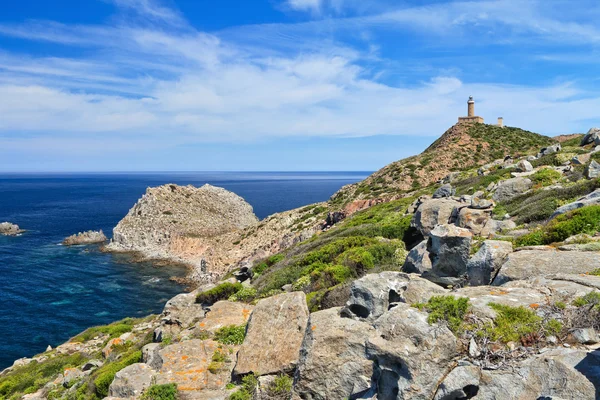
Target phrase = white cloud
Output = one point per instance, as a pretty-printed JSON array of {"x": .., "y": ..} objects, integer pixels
[{"x": 305, "y": 5}]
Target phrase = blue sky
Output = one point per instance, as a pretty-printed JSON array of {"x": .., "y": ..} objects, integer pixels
[{"x": 100, "y": 85}]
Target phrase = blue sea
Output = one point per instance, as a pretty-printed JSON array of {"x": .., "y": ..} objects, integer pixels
[{"x": 49, "y": 292}]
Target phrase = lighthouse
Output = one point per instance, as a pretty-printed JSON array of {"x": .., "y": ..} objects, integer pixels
[{"x": 471, "y": 117}]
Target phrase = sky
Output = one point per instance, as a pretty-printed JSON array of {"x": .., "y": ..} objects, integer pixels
[{"x": 281, "y": 85}]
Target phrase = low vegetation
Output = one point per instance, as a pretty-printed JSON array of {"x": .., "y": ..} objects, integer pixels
[
  {"x": 449, "y": 309},
  {"x": 232, "y": 334},
  {"x": 519, "y": 324},
  {"x": 248, "y": 389},
  {"x": 583, "y": 220},
  {"x": 161, "y": 392},
  {"x": 220, "y": 292}
]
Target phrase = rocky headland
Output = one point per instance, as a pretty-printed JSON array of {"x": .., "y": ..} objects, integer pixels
[
  {"x": 83, "y": 238},
  {"x": 10, "y": 229},
  {"x": 478, "y": 281}
]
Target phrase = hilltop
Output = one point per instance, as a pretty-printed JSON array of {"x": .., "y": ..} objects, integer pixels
[{"x": 461, "y": 147}]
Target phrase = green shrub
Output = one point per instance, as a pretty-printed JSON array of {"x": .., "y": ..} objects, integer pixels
[
  {"x": 106, "y": 373},
  {"x": 114, "y": 330},
  {"x": 232, "y": 334},
  {"x": 161, "y": 392},
  {"x": 553, "y": 160},
  {"x": 357, "y": 258},
  {"x": 595, "y": 272},
  {"x": 220, "y": 292},
  {"x": 245, "y": 294},
  {"x": 546, "y": 177},
  {"x": 446, "y": 308},
  {"x": 240, "y": 395},
  {"x": 513, "y": 324},
  {"x": 590, "y": 299},
  {"x": 281, "y": 385},
  {"x": 329, "y": 276},
  {"x": 582, "y": 220},
  {"x": 249, "y": 384},
  {"x": 31, "y": 377}
]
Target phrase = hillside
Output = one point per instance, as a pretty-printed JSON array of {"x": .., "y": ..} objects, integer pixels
[{"x": 461, "y": 147}]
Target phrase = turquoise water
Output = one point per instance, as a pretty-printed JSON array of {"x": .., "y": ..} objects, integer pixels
[{"x": 49, "y": 292}]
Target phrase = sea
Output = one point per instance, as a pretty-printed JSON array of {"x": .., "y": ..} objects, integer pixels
[{"x": 50, "y": 292}]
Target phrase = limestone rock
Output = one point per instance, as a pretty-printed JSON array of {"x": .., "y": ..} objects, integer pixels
[
  {"x": 588, "y": 200},
  {"x": 71, "y": 375},
  {"x": 433, "y": 212},
  {"x": 151, "y": 355},
  {"x": 555, "y": 148},
  {"x": 593, "y": 136},
  {"x": 89, "y": 237},
  {"x": 411, "y": 356},
  {"x": 593, "y": 170},
  {"x": 168, "y": 211},
  {"x": 274, "y": 335},
  {"x": 581, "y": 159},
  {"x": 186, "y": 364},
  {"x": 373, "y": 295},
  {"x": 131, "y": 381},
  {"x": 474, "y": 220},
  {"x": 449, "y": 248},
  {"x": 527, "y": 263},
  {"x": 481, "y": 296},
  {"x": 484, "y": 265},
  {"x": 333, "y": 363},
  {"x": 479, "y": 202},
  {"x": 445, "y": 190},
  {"x": 493, "y": 227},
  {"x": 224, "y": 313},
  {"x": 458, "y": 384},
  {"x": 585, "y": 335},
  {"x": 418, "y": 259},
  {"x": 524, "y": 166},
  {"x": 9, "y": 229},
  {"x": 180, "y": 312},
  {"x": 511, "y": 188}
]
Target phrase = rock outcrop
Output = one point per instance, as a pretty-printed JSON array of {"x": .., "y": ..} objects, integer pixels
[
  {"x": 511, "y": 188},
  {"x": 10, "y": 229},
  {"x": 432, "y": 213},
  {"x": 587, "y": 200},
  {"x": 89, "y": 237}
]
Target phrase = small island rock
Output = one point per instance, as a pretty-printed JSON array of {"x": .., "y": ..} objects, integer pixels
[{"x": 89, "y": 237}]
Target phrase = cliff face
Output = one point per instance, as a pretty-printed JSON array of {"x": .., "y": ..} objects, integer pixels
[{"x": 208, "y": 228}]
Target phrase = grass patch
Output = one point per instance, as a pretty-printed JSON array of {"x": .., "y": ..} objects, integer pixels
[
  {"x": 232, "y": 334},
  {"x": 595, "y": 272},
  {"x": 106, "y": 374},
  {"x": 33, "y": 376},
  {"x": 220, "y": 292},
  {"x": 519, "y": 324},
  {"x": 281, "y": 385},
  {"x": 450, "y": 309},
  {"x": 546, "y": 177},
  {"x": 582, "y": 220},
  {"x": 113, "y": 330},
  {"x": 161, "y": 392},
  {"x": 245, "y": 294}
]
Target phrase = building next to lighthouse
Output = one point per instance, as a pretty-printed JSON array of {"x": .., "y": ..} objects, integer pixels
[{"x": 472, "y": 118}]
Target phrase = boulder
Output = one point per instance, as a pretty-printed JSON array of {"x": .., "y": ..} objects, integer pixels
[
  {"x": 524, "y": 264},
  {"x": 588, "y": 200},
  {"x": 181, "y": 312},
  {"x": 511, "y": 188},
  {"x": 555, "y": 148},
  {"x": 581, "y": 159},
  {"x": 71, "y": 375},
  {"x": 586, "y": 362},
  {"x": 151, "y": 355},
  {"x": 333, "y": 362},
  {"x": 418, "y": 259},
  {"x": 186, "y": 364},
  {"x": 445, "y": 190},
  {"x": 411, "y": 355},
  {"x": 224, "y": 313},
  {"x": 585, "y": 335},
  {"x": 479, "y": 202},
  {"x": 9, "y": 229},
  {"x": 484, "y": 265},
  {"x": 89, "y": 237},
  {"x": 543, "y": 376},
  {"x": 593, "y": 136},
  {"x": 433, "y": 212},
  {"x": 473, "y": 219},
  {"x": 449, "y": 248},
  {"x": 524, "y": 166},
  {"x": 131, "y": 381},
  {"x": 373, "y": 295},
  {"x": 492, "y": 227},
  {"x": 274, "y": 335},
  {"x": 592, "y": 171}
]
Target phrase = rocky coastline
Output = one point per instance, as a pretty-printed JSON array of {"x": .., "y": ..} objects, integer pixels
[
  {"x": 84, "y": 238},
  {"x": 10, "y": 229},
  {"x": 483, "y": 284}
]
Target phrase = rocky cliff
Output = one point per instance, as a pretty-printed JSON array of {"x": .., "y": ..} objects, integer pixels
[{"x": 486, "y": 286}]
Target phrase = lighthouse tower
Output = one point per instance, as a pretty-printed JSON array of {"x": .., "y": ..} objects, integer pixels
[{"x": 471, "y": 117}]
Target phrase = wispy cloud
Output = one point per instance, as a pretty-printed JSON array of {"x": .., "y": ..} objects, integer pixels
[{"x": 161, "y": 82}]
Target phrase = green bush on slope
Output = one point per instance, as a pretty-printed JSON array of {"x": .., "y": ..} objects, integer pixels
[{"x": 583, "y": 220}]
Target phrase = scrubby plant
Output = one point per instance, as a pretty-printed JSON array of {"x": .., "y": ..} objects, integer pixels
[
  {"x": 105, "y": 374},
  {"x": 591, "y": 299},
  {"x": 301, "y": 283},
  {"x": 450, "y": 309},
  {"x": 546, "y": 177},
  {"x": 220, "y": 292},
  {"x": 161, "y": 392},
  {"x": 113, "y": 330},
  {"x": 583, "y": 220},
  {"x": 246, "y": 392},
  {"x": 31, "y": 377},
  {"x": 232, "y": 334},
  {"x": 245, "y": 294},
  {"x": 595, "y": 272},
  {"x": 519, "y": 324},
  {"x": 281, "y": 385}
]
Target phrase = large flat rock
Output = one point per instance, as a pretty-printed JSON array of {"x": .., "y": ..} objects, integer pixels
[
  {"x": 274, "y": 335},
  {"x": 528, "y": 263}
]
